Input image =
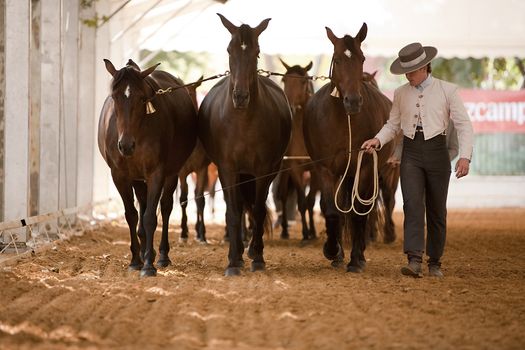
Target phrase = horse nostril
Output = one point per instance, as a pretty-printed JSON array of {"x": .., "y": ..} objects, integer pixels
[
  {"x": 126, "y": 148},
  {"x": 241, "y": 95}
]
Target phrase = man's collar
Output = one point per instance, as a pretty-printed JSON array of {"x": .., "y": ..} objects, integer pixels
[{"x": 425, "y": 83}]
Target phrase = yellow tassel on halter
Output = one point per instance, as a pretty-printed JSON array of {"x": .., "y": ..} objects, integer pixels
[
  {"x": 335, "y": 92},
  {"x": 149, "y": 108}
]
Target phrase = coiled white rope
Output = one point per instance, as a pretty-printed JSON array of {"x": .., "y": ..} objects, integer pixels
[{"x": 355, "y": 188}]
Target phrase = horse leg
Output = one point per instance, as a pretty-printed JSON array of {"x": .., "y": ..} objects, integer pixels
[
  {"x": 202, "y": 180},
  {"x": 246, "y": 227},
  {"x": 166, "y": 206},
  {"x": 141, "y": 191},
  {"x": 297, "y": 181},
  {"x": 183, "y": 204},
  {"x": 283, "y": 195},
  {"x": 212, "y": 182},
  {"x": 357, "y": 256},
  {"x": 233, "y": 221},
  {"x": 372, "y": 224},
  {"x": 155, "y": 184},
  {"x": 359, "y": 222},
  {"x": 332, "y": 248},
  {"x": 125, "y": 190},
  {"x": 260, "y": 212},
  {"x": 226, "y": 235},
  {"x": 389, "y": 198},
  {"x": 310, "y": 202}
]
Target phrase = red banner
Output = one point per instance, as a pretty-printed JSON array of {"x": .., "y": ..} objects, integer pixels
[{"x": 495, "y": 111}]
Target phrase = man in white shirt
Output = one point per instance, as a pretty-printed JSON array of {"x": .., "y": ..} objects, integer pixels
[{"x": 422, "y": 109}]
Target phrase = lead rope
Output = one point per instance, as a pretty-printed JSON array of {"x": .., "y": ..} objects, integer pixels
[{"x": 355, "y": 188}]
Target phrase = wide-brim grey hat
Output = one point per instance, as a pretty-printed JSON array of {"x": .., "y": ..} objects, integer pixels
[{"x": 412, "y": 57}]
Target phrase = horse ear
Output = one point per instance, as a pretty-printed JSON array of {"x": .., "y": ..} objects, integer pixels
[
  {"x": 331, "y": 35},
  {"x": 148, "y": 71},
  {"x": 110, "y": 67},
  {"x": 309, "y": 66},
  {"x": 229, "y": 25},
  {"x": 262, "y": 26},
  {"x": 132, "y": 63},
  {"x": 374, "y": 74},
  {"x": 284, "y": 64},
  {"x": 198, "y": 82},
  {"x": 362, "y": 33}
]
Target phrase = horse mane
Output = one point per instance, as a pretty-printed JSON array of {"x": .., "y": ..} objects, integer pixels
[
  {"x": 296, "y": 69},
  {"x": 350, "y": 45},
  {"x": 125, "y": 73},
  {"x": 245, "y": 32}
]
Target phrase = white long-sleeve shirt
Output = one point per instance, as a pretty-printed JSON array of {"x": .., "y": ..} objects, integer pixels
[{"x": 435, "y": 106}]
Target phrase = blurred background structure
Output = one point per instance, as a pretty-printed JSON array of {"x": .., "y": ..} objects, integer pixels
[{"x": 53, "y": 80}]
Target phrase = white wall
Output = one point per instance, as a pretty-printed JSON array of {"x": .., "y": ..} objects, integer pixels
[{"x": 16, "y": 112}]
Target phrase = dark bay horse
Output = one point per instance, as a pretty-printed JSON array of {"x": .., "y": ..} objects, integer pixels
[
  {"x": 298, "y": 89},
  {"x": 145, "y": 151},
  {"x": 245, "y": 125},
  {"x": 326, "y": 133},
  {"x": 198, "y": 162}
]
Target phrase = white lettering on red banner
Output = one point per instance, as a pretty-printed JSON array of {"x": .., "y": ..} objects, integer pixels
[{"x": 495, "y": 111}]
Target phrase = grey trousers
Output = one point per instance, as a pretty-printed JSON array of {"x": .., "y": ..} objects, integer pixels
[{"x": 425, "y": 176}]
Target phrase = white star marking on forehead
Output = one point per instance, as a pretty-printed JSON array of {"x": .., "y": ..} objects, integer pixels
[
  {"x": 127, "y": 92},
  {"x": 348, "y": 53},
  {"x": 243, "y": 46}
]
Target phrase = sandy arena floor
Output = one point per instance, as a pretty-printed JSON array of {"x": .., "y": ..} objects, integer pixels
[{"x": 79, "y": 295}]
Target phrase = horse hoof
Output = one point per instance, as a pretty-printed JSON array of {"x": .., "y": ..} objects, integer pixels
[
  {"x": 358, "y": 267},
  {"x": 135, "y": 267},
  {"x": 148, "y": 272},
  {"x": 164, "y": 262},
  {"x": 258, "y": 266},
  {"x": 331, "y": 255},
  {"x": 285, "y": 236},
  {"x": 354, "y": 269},
  {"x": 183, "y": 240},
  {"x": 232, "y": 271},
  {"x": 337, "y": 263},
  {"x": 202, "y": 241},
  {"x": 305, "y": 242}
]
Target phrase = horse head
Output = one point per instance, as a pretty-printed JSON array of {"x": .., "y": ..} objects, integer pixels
[
  {"x": 371, "y": 78},
  {"x": 130, "y": 92},
  {"x": 346, "y": 71},
  {"x": 243, "y": 51},
  {"x": 297, "y": 86}
]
